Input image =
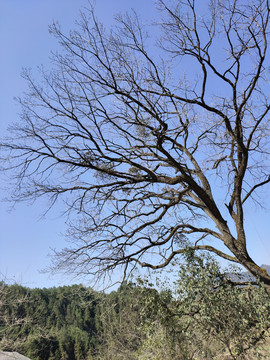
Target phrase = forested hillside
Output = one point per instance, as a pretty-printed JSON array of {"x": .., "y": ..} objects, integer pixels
[
  {"x": 204, "y": 316},
  {"x": 74, "y": 322}
]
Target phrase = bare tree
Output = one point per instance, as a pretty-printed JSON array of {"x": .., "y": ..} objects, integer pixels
[{"x": 156, "y": 137}]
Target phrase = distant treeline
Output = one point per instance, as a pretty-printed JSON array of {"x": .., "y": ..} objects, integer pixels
[
  {"x": 70, "y": 322},
  {"x": 201, "y": 316}
]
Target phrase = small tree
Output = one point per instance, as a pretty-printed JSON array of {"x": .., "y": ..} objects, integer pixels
[
  {"x": 235, "y": 319},
  {"x": 207, "y": 316},
  {"x": 150, "y": 144}
]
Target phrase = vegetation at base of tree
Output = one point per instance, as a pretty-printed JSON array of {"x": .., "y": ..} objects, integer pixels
[{"x": 205, "y": 316}]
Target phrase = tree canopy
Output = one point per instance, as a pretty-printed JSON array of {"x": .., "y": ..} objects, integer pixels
[{"x": 156, "y": 137}]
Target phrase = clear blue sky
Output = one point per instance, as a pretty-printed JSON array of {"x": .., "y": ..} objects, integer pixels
[{"x": 25, "y": 239}]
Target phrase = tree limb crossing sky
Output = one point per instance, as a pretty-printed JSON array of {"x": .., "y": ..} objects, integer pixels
[{"x": 25, "y": 236}]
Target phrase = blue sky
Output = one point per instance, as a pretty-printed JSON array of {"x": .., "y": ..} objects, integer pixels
[{"x": 25, "y": 236}]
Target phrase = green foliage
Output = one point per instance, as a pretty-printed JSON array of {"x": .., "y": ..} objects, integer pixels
[
  {"x": 208, "y": 315},
  {"x": 235, "y": 316},
  {"x": 57, "y": 323},
  {"x": 196, "y": 313}
]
